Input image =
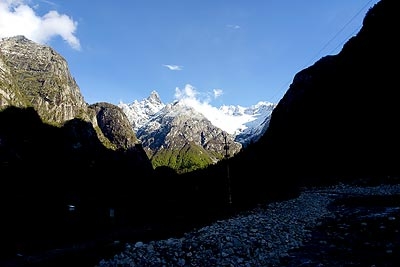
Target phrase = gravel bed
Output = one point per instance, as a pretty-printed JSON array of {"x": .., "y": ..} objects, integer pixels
[{"x": 278, "y": 234}]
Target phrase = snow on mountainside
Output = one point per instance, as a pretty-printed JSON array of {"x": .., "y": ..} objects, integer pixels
[
  {"x": 245, "y": 123},
  {"x": 254, "y": 129},
  {"x": 141, "y": 112}
]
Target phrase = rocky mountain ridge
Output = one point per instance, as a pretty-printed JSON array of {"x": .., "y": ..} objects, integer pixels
[
  {"x": 184, "y": 139},
  {"x": 34, "y": 75},
  {"x": 250, "y": 122},
  {"x": 167, "y": 131}
]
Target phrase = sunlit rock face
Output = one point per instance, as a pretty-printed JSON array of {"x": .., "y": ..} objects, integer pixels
[
  {"x": 36, "y": 75},
  {"x": 115, "y": 125}
]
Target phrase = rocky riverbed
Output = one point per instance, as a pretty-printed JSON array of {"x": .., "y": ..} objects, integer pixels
[{"x": 333, "y": 226}]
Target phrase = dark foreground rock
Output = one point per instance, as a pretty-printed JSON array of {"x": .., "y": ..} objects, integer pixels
[
  {"x": 334, "y": 226},
  {"x": 364, "y": 232}
]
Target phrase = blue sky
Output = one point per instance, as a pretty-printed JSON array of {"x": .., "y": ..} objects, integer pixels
[{"x": 223, "y": 52}]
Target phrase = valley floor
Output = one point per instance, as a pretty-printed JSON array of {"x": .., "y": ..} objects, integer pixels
[{"x": 333, "y": 226}]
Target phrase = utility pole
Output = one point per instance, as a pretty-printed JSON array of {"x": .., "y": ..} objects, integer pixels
[{"x": 228, "y": 179}]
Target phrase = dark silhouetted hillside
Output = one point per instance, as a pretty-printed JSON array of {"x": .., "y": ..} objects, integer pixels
[{"x": 337, "y": 122}]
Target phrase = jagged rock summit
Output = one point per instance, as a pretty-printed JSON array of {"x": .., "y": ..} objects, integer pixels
[{"x": 140, "y": 112}]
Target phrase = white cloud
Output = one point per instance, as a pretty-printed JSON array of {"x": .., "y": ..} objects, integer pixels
[
  {"x": 217, "y": 93},
  {"x": 235, "y": 27},
  {"x": 189, "y": 92},
  {"x": 191, "y": 97},
  {"x": 48, "y": 2},
  {"x": 173, "y": 67},
  {"x": 18, "y": 18}
]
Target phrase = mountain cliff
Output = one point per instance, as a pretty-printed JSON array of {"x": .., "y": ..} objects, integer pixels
[
  {"x": 34, "y": 75},
  {"x": 58, "y": 152},
  {"x": 338, "y": 119}
]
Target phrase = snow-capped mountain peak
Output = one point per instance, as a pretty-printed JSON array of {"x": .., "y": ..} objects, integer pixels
[
  {"x": 245, "y": 123},
  {"x": 140, "y": 112}
]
